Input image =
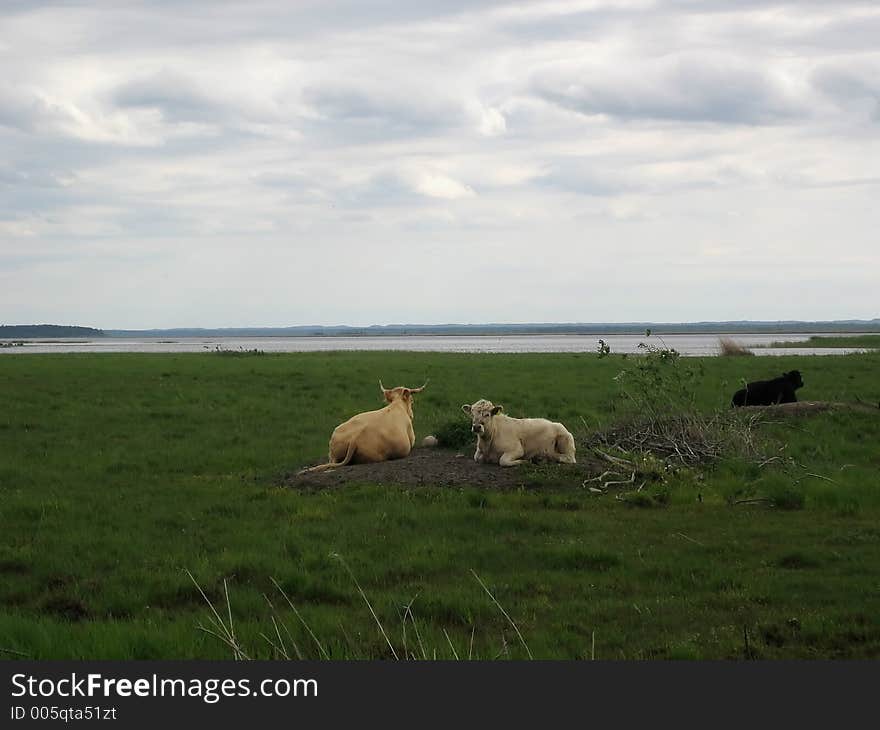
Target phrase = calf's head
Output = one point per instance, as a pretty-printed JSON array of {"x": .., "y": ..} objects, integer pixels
[
  {"x": 481, "y": 414},
  {"x": 794, "y": 377}
]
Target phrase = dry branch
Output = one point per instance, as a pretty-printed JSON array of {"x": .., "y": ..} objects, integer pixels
[{"x": 688, "y": 438}]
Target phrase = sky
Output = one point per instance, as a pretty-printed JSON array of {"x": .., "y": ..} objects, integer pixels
[{"x": 199, "y": 163}]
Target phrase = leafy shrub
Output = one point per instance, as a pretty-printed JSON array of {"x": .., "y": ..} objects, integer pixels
[
  {"x": 659, "y": 382},
  {"x": 455, "y": 434}
]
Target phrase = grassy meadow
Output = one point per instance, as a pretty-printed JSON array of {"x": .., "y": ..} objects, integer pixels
[{"x": 119, "y": 473}]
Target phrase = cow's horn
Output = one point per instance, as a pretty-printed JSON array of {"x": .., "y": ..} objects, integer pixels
[
  {"x": 381, "y": 387},
  {"x": 418, "y": 390}
]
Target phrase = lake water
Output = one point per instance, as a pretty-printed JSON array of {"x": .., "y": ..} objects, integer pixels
[{"x": 688, "y": 344}]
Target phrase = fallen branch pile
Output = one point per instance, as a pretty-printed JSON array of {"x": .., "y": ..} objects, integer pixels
[{"x": 689, "y": 439}]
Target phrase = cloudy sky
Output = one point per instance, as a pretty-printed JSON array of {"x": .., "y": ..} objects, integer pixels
[{"x": 205, "y": 163}]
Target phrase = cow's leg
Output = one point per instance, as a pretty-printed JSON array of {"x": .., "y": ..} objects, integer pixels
[
  {"x": 512, "y": 458},
  {"x": 564, "y": 449},
  {"x": 787, "y": 396},
  {"x": 479, "y": 457}
]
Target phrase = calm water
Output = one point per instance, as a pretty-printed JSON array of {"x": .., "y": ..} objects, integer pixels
[{"x": 693, "y": 344}]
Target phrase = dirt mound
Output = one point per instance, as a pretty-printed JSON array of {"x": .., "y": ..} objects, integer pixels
[
  {"x": 804, "y": 408},
  {"x": 438, "y": 467},
  {"x": 444, "y": 468}
]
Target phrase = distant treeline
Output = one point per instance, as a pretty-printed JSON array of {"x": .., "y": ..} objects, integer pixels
[
  {"x": 9, "y": 331},
  {"x": 398, "y": 330}
]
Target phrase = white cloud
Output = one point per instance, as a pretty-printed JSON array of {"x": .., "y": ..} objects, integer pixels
[
  {"x": 491, "y": 122},
  {"x": 435, "y": 185}
]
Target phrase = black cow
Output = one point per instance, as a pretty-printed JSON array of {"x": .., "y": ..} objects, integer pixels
[{"x": 770, "y": 392}]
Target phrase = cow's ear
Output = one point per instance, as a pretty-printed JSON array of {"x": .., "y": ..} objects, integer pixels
[
  {"x": 466, "y": 408},
  {"x": 497, "y": 409}
]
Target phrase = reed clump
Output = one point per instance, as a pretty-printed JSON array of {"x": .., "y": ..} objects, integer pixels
[{"x": 728, "y": 347}]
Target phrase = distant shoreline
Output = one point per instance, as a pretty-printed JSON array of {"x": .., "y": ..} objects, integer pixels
[
  {"x": 746, "y": 327},
  {"x": 868, "y": 340},
  {"x": 396, "y": 335},
  {"x": 527, "y": 329}
]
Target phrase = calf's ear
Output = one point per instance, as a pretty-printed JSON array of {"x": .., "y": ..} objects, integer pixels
[
  {"x": 497, "y": 409},
  {"x": 466, "y": 408}
]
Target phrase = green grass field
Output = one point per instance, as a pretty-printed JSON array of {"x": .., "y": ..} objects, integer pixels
[{"x": 121, "y": 472}]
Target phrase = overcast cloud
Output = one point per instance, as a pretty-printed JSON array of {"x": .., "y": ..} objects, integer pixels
[{"x": 200, "y": 163}]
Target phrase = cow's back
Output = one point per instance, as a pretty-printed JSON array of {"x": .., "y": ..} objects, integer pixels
[
  {"x": 379, "y": 435},
  {"x": 536, "y": 435},
  {"x": 539, "y": 436},
  {"x": 765, "y": 393}
]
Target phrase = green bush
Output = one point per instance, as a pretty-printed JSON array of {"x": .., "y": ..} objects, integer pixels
[{"x": 455, "y": 434}]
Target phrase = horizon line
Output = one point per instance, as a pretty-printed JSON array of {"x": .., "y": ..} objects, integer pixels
[{"x": 629, "y": 323}]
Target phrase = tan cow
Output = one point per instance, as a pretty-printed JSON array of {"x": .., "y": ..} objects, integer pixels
[
  {"x": 375, "y": 435},
  {"x": 510, "y": 441}
]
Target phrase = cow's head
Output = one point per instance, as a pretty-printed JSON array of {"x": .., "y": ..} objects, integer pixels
[
  {"x": 481, "y": 414},
  {"x": 794, "y": 377},
  {"x": 405, "y": 395}
]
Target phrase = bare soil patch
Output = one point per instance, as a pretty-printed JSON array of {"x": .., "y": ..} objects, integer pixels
[{"x": 437, "y": 467}]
